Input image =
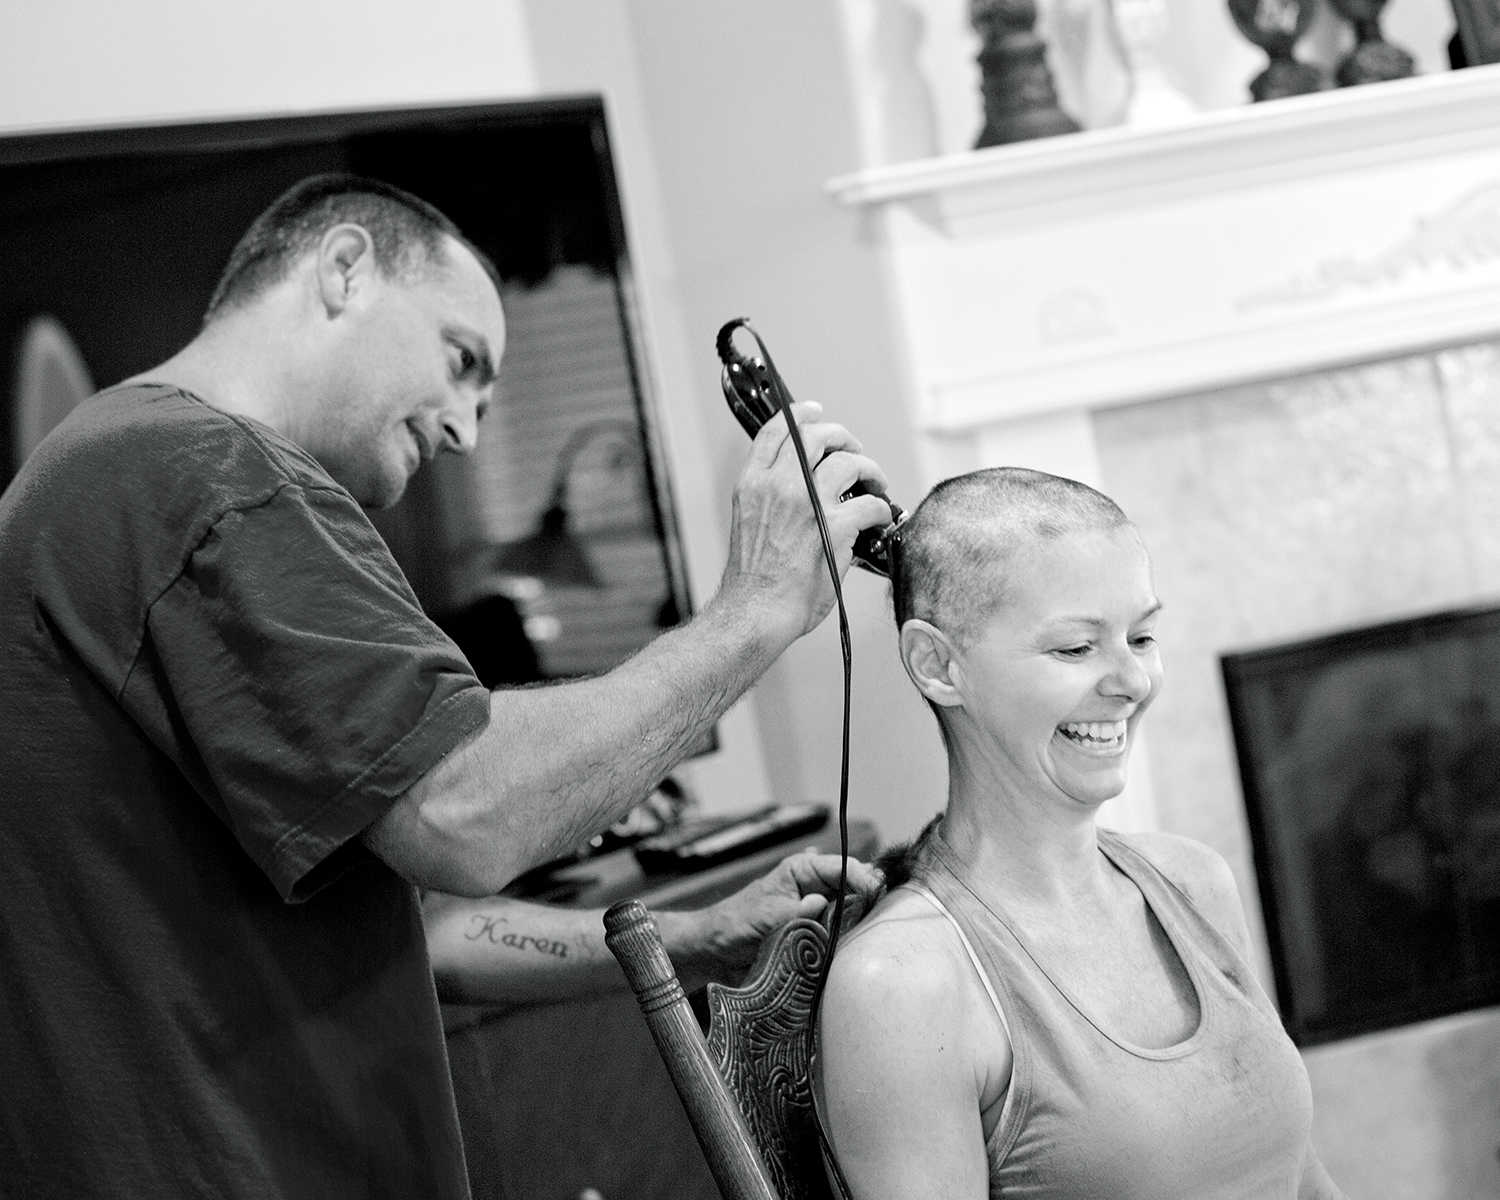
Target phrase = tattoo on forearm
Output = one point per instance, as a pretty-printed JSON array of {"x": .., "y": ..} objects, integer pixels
[{"x": 483, "y": 926}]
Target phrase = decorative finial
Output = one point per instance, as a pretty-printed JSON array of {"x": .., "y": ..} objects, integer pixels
[
  {"x": 1275, "y": 26},
  {"x": 1373, "y": 59},
  {"x": 1020, "y": 99}
]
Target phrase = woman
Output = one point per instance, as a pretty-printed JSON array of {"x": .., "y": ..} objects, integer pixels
[{"x": 1049, "y": 1009}]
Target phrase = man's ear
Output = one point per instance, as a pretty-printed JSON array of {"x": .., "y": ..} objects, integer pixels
[
  {"x": 346, "y": 259},
  {"x": 930, "y": 659}
]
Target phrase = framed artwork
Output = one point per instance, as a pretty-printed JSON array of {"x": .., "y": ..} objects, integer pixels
[
  {"x": 1371, "y": 768},
  {"x": 1478, "y": 29}
]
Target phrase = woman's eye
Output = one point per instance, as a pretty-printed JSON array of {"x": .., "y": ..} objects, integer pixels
[
  {"x": 466, "y": 360},
  {"x": 1143, "y": 641},
  {"x": 1072, "y": 651}
]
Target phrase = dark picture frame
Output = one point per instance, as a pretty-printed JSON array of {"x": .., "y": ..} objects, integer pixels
[
  {"x": 1370, "y": 761},
  {"x": 1478, "y": 30}
]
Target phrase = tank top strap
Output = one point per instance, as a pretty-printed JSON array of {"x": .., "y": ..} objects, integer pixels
[
  {"x": 963, "y": 938},
  {"x": 1194, "y": 933},
  {"x": 1160, "y": 889}
]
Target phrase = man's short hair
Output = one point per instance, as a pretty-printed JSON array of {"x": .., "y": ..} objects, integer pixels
[
  {"x": 951, "y": 554},
  {"x": 407, "y": 233}
]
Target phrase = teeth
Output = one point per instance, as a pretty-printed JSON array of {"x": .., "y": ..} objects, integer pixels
[{"x": 1095, "y": 731}]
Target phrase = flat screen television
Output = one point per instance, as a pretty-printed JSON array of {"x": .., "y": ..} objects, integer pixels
[
  {"x": 553, "y": 551},
  {"x": 1371, "y": 768}
]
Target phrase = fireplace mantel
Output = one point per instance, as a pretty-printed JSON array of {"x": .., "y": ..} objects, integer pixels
[{"x": 1100, "y": 268}]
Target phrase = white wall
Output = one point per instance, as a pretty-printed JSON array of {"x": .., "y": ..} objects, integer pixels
[
  {"x": 750, "y": 113},
  {"x": 82, "y": 62},
  {"x": 587, "y": 46}
]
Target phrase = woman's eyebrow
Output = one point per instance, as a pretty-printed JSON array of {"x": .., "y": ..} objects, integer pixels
[{"x": 1094, "y": 622}]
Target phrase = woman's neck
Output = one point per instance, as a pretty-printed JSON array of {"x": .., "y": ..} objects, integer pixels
[{"x": 1024, "y": 850}]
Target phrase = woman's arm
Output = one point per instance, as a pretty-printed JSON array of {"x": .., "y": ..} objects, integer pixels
[{"x": 903, "y": 1069}]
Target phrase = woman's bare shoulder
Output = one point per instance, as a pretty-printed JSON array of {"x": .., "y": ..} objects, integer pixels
[
  {"x": 904, "y": 958},
  {"x": 903, "y": 995},
  {"x": 1181, "y": 859},
  {"x": 903, "y": 932}
]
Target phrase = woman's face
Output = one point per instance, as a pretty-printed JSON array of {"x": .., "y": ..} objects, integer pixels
[{"x": 1056, "y": 680}]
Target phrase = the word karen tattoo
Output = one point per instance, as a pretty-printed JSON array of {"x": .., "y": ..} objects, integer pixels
[{"x": 487, "y": 927}]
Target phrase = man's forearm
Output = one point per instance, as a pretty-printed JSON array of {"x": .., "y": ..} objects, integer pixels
[
  {"x": 507, "y": 952},
  {"x": 557, "y": 764},
  {"x": 499, "y": 950}
]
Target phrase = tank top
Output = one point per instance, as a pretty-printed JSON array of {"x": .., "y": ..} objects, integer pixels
[{"x": 1225, "y": 1114}]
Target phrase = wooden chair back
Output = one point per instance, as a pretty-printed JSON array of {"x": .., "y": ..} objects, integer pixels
[{"x": 746, "y": 1084}]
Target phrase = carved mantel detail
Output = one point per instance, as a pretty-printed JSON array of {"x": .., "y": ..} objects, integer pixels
[{"x": 1463, "y": 236}]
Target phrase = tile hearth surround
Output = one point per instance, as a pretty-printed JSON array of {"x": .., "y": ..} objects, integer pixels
[
  {"x": 1280, "y": 510},
  {"x": 1274, "y": 335}
]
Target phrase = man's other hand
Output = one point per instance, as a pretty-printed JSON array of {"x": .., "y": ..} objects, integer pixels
[{"x": 718, "y": 942}]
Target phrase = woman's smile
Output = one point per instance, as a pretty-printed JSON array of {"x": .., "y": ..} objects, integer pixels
[{"x": 1106, "y": 739}]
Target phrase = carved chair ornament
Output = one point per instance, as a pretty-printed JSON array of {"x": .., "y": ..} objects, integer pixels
[{"x": 745, "y": 1086}]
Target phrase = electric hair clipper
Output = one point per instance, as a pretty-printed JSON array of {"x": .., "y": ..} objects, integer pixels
[{"x": 754, "y": 390}]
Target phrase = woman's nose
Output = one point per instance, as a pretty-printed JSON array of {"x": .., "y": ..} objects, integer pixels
[{"x": 1129, "y": 676}]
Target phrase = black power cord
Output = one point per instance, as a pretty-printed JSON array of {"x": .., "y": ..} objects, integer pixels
[
  {"x": 769, "y": 386},
  {"x": 755, "y": 392}
]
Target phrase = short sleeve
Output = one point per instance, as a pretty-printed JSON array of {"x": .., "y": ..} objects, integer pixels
[{"x": 303, "y": 688}]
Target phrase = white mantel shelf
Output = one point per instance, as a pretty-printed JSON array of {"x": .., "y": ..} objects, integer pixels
[{"x": 1119, "y": 265}]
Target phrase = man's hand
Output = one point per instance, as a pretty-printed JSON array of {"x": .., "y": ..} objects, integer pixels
[
  {"x": 776, "y": 558},
  {"x": 718, "y": 942}
]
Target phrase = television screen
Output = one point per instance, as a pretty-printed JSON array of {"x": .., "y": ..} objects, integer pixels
[
  {"x": 552, "y": 551},
  {"x": 1371, "y": 767}
]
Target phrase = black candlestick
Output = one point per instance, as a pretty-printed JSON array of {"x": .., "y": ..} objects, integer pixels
[
  {"x": 1373, "y": 59},
  {"x": 1020, "y": 99},
  {"x": 1275, "y": 26}
]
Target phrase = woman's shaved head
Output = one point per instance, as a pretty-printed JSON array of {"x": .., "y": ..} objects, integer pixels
[{"x": 951, "y": 555}]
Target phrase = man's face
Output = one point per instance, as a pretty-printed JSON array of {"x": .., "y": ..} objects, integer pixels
[{"x": 414, "y": 373}]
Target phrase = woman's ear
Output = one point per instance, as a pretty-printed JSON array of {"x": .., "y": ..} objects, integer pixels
[
  {"x": 930, "y": 659},
  {"x": 346, "y": 256}
]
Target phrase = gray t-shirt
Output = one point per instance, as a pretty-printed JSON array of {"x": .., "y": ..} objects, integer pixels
[{"x": 214, "y": 677}]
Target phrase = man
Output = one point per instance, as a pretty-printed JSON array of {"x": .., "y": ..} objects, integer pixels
[{"x": 233, "y": 744}]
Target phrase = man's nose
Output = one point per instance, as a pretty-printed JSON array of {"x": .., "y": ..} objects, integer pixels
[{"x": 461, "y": 428}]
